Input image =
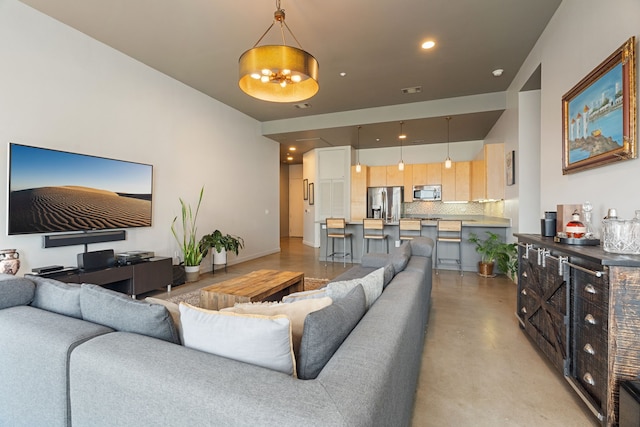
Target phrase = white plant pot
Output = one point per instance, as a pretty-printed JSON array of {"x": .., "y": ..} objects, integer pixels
[
  {"x": 220, "y": 257},
  {"x": 192, "y": 272}
]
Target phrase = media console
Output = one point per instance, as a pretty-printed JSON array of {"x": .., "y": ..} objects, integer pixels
[{"x": 134, "y": 279}]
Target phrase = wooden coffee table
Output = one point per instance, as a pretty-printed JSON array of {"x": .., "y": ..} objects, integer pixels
[{"x": 255, "y": 286}]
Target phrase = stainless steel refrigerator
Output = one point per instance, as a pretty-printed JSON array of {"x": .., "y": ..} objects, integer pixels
[{"x": 385, "y": 202}]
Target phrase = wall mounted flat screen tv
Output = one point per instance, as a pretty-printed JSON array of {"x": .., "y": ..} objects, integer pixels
[{"x": 58, "y": 191}]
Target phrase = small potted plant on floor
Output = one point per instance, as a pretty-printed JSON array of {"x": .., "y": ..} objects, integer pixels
[
  {"x": 508, "y": 260},
  {"x": 493, "y": 249},
  {"x": 221, "y": 243},
  {"x": 192, "y": 250}
]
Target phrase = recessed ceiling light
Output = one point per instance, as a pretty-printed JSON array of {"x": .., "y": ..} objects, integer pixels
[
  {"x": 292, "y": 148},
  {"x": 290, "y": 158},
  {"x": 342, "y": 74},
  {"x": 428, "y": 44},
  {"x": 497, "y": 72}
]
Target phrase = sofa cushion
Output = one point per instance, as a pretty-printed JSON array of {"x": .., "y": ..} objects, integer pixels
[
  {"x": 303, "y": 295},
  {"x": 173, "y": 309},
  {"x": 15, "y": 291},
  {"x": 355, "y": 272},
  {"x": 375, "y": 260},
  {"x": 122, "y": 313},
  {"x": 296, "y": 311},
  {"x": 260, "y": 340},
  {"x": 422, "y": 246},
  {"x": 400, "y": 257},
  {"x": 35, "y": 346},
  {"x": 326, "y": 329},
  {"x": 380, "y": 260},
  {"x": 58, "y": 297},
  {"x": 371, "y": 283},
  {"x": 389, "y": 273}
]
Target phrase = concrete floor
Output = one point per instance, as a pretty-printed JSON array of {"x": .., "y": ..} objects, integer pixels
[{"x": 478, "y": 367}]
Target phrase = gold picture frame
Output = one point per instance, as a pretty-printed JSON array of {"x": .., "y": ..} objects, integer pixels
[{"x": 599, "y": 114}]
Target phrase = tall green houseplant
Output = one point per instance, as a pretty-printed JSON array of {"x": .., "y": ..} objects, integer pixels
[
  {"x": 219, "y": 241},
  {"x": 493, "y": 249},
  {"x": 186, "y": 238}
]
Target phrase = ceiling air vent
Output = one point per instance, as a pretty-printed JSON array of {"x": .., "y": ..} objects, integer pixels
[{"x": 415, "y": 89}]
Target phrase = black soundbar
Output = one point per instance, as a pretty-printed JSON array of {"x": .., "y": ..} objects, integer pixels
[{"x": 58, "y": 240}]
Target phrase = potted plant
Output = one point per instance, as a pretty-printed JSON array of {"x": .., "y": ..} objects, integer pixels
[
  {"x": 222, "y": 243},
  {"x": 493, "y": 249},
  {"x": 192, "y": 251},
  {"x": 508, "y": 260}
]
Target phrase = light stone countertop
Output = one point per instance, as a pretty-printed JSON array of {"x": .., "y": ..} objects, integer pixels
[{"x": 467, "y": 221}]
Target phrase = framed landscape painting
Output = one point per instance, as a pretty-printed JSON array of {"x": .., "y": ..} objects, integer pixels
[{"x": 599, "y": 114}]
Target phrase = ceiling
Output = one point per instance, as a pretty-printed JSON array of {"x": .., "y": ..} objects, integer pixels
[{"x": 377, "y": 45}]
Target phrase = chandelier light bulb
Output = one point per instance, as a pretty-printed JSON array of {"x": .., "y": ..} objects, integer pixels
[
  {"x": 358, "y": 168},
  {"x": 447, "y": 163},
  {"x": 401, "y": 166}
]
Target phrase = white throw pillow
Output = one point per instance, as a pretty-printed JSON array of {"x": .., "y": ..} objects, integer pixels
[
  {"x": 302, "y": 295},
  {"x": 296, "y": 312},
  {"x": 260, "y": 340},
  {"x": 371, "y": 283}
]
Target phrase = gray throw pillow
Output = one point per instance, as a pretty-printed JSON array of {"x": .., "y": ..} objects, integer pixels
[
  {"x": 422, "y": 246},
  {"x": 400, "y": 257},
  {"x": 122, "y": 313},
  {"x": 389, "y": 272},
  {"x": 58, "y": 297},
  {"x": 372, "y": 284},
  {"x": 325, "y": 330},
  {"x": 380, "y": 260},
  {"x": 375, "y": 260},
  {"x": 15, "y": 291}
]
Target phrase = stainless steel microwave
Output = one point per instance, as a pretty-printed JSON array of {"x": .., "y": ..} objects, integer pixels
[{"x": 427, "y": 192}]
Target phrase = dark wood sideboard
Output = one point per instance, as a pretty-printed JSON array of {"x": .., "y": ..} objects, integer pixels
[
  {"x": 133, "y": 279},
  {"x": 581, "y": 306}
]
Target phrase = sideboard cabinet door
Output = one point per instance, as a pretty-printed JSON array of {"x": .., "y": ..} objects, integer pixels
[{"x": 542, "y": 304}]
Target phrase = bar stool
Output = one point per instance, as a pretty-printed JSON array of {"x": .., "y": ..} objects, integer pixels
[
  {"x": 336, "y": 229},
  {"x": 449, "y": 231},
  {"x": 373, "y": 229},
  {"x": 410, "y": 228}
]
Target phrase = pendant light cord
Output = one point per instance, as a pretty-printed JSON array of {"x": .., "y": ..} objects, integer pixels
[
  {"x": 448, "y": 141},
  {"x": 279, "y": 17}
]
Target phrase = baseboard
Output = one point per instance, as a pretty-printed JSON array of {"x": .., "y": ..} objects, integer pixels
[{"x": 206, "y": 265}]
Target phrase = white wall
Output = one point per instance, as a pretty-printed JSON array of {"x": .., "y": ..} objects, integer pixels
[
  {"x": 579, "y": 37},
  {"x": 61, "y": 89}
]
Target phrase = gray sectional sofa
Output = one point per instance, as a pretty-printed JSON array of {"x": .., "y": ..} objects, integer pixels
[{"x": 109, "y": 362}]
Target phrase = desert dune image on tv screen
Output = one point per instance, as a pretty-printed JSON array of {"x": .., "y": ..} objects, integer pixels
[{"x": 52, "y": 191}]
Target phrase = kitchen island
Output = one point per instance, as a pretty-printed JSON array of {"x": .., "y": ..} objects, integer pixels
[{"x": 470, "y": 224}]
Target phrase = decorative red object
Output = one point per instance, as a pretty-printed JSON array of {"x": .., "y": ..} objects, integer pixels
[{"x": 575, "y": 228}]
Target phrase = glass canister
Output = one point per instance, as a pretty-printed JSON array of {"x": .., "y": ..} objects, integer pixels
[{"x": 621, "y": 236}]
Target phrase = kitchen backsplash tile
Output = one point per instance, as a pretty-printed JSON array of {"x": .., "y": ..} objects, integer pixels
[{"x": 495, "y": 209}]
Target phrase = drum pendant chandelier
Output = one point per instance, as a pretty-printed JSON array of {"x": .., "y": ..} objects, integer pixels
[{"x": 278, "y": 73}]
